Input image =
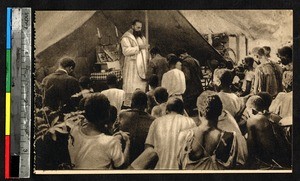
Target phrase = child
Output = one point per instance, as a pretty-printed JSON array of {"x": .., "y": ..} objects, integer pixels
[
  {"x": 249, "y": 76},
  {"x": 161, "y": 96},
  {"x": 89, "y": 145}
]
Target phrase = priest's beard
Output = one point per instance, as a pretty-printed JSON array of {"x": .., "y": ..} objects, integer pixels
[{"x": 137, "y": 34}]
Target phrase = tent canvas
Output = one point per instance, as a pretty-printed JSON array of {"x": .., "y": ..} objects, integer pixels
[
  {"x": 64, "y": 38},
  {"x": 73, "y": 33}
]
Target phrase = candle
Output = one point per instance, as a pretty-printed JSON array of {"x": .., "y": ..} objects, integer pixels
[
  {"x": 99, "y": 35},
  {"x": 116, "y": 31}
]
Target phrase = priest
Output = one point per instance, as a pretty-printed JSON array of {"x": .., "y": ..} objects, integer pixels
[{"x": 134, "y": 48}]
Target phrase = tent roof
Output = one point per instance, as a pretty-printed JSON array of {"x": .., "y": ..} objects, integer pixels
[
  {"x": 172, "y": 29},
  {"x": 170, "y": 33},
  {"x": 52, "y": 26},
  {"x": 274, "y": 25}
]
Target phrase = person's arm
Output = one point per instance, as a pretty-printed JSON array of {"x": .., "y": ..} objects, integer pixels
[
  {"x": 155, "y": 112},
  {"x": 150, "y": 137},
  {"x": 126, "y": 138},
  {"x": 127, "y": 49},
  {"x": 251, "y": 139},
  {"x": 150, "y": 70},
  {"x": 257, "y": 81},
  {"x": 146, "y": 160},
  {"x": 186, "y": 71},
  {"x": 119, "y": 158}
]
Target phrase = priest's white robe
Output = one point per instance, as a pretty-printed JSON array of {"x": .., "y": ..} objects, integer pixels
[{"x": 135, "y": 63}]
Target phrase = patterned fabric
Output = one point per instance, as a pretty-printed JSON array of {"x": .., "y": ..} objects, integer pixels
[
  {"x": 267, "y": 79},
  {"x": 208, "y": 161},
  {"x": 163, "y": 136}
]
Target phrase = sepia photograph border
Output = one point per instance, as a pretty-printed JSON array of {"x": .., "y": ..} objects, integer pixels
[
  {"x": 188, "y": 5},
  {"x": 161, "y": 171}
]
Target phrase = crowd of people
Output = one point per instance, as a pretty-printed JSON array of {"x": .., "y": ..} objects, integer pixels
[{"x": 244, "y": 124}]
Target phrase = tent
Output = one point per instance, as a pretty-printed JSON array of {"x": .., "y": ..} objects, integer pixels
[{"x": 73, "y": 33}]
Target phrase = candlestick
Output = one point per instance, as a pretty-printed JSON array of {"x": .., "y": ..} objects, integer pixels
[
  {"x": 116, "y": 31},
  {"x": 98, "y": 32}
]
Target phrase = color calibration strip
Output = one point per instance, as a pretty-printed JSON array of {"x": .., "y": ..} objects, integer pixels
[{"x": 8, "y": 94}]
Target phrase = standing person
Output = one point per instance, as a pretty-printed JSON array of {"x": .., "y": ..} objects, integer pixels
[
  {"x": 286, "y": 58},
  {"x": 115, "y": 96},
  {"x": 254, "y": 55},
  {"x": 137, "y": 122},
  {"x": 249, "y": 76},
  {"x": 174, "y": 80},
  {"x": 158, "y": 65},
  {"x": 193, "y": 75},
  {"x": 267, "y": 49},
  {"x": 60, "y": 86},
  {"x": 135, "y": 63},
  {"x": 268, "y": 75},
  {"x": 89, "y": 145},
  {"x": 164, "y": 131}
]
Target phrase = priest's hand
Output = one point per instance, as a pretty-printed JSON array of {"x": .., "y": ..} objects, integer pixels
[{"x": 144, "y": 46}]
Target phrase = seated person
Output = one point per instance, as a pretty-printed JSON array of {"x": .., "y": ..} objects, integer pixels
[
  {"x": 137, "y": 122},
  {"x": 85, "y": 86},
  {"x": 207, "y": 147},
  {"x": 164, "y": 131},
  {"x": 267, "y": 144},
  {"x": 89, "y": 145},
  {"x": 115, "y": 96},
  {"x": 267, "y": 99},
  {"x": 283, "y": 103},
  {"x": 231, "y": 102},
  {"x": 161, "y": 96},
  {"x": 153, "y": 83}
]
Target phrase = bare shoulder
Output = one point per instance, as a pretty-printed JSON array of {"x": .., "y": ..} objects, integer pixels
[{"x": 256, "y": 120}]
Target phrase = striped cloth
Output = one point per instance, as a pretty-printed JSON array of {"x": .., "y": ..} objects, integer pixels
[{"x": 163, "y": 136}]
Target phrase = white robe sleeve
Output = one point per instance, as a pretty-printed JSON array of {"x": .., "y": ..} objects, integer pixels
[{"x": 127, "y": 49}]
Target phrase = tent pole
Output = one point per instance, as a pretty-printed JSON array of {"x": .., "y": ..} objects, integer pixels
[{"x": 147, "y": 33}]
